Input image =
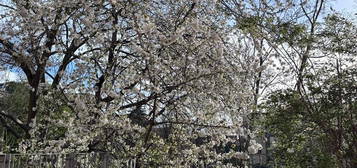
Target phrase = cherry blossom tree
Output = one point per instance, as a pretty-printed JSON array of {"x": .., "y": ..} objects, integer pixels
[{"x": 109, "y": 75}]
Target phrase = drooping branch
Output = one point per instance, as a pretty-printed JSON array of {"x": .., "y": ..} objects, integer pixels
[
  {"x": 15, "y": 120},
  {"x": 9, "y": 128}
]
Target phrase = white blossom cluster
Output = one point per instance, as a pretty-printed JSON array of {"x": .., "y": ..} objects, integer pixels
[{"x": 254, "y": 147}]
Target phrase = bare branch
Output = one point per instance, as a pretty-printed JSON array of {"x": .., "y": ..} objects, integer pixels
[{"x": 7, "y": 6}]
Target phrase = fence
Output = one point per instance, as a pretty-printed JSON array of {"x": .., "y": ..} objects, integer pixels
[
  {"x": 74, "y": 160},
  {"x": 85, "y": 160}
]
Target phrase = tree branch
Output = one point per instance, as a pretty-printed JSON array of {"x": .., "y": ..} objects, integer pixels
[
  {"x": 190, "y": 123},
  {"x": 15, "y": 120},
  {"x": 7, "y": 6},
  {"x": 12, "y": 131}
]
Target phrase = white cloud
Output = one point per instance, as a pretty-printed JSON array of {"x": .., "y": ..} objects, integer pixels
[{"x": 7, "y": 76}]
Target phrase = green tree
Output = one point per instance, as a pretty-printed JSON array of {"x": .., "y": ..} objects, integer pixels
[
  {"x": 317, "y": 130},
  {"x": 13, "y": 104}
]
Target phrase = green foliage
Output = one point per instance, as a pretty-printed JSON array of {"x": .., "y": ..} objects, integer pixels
[
  {"x": 290, "y": 32},
  {"x": 297, "y": 137},
  {"x": 13, "y": 102},
  {"x": 15, "y": 98},
  {"x": 316, "y": 129},
  {"x": 338, "y": 35}
]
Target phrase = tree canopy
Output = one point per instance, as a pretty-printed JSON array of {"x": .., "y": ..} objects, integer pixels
[{"x": 177, "y": 82}]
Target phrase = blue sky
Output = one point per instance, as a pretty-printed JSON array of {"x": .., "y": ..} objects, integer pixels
[
  {"x": 345, "y": 6},
  {"x": 7, "y": 76}
]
